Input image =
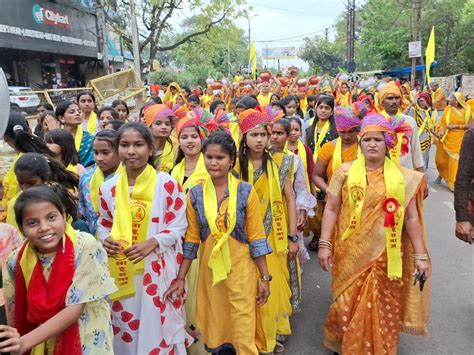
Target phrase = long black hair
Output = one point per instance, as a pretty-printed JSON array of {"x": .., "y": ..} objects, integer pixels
[
  {"x": 19, "y": 132},
  {"x": 116, "y": 103},
  {"x": 243, "y": 159},
  {"x": 63, "y": 106},
  {"x": 328, "y": 100},
  {"x": 49, "y": 170},
  {"x": 144, "y": 131},
  {"x": 225, "y": 141},
  {"x": 56, "y": 195},
  {"x": 65, "y": 140}
]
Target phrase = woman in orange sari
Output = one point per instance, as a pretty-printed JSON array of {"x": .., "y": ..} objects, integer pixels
[
  {"x": 456, "y": 119},
  {"x": 374, "y": 219}
]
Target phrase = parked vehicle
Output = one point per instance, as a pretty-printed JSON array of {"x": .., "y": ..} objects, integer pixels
[{"x": 23, "y": 98}]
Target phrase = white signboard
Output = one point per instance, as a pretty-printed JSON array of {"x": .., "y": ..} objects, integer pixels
[{"x": 414, "y": 49}]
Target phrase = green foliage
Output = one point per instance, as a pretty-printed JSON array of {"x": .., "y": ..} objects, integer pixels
[{"x": 322, "y": 55}]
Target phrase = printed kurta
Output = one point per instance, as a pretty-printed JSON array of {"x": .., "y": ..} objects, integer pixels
[
  {"x": 146, "y": 323},
  {"x": 91, "y": 285}
]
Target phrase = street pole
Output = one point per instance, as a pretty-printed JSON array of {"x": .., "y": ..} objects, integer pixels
[
  {"x": 136, "y": 50},
  {"x": 266, "y": 44},
  {"x": 415, "y": 35},
  {"x": 102, "y": 36},
  {"x": 248, "y": 19}
]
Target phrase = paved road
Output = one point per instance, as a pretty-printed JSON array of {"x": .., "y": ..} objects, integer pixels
[{"x": 451, "y": 327}]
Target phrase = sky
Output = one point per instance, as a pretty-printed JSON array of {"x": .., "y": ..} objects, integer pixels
[{"x": 284, "y": 23}]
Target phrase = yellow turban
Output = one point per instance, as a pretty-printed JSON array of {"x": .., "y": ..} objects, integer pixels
[{"x": 389, "y": 89}]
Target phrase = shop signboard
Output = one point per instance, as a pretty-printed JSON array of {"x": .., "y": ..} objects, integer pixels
[{"x": 44, "y": 26}]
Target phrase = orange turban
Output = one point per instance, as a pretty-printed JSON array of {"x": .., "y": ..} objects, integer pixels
[
  {"x": 389, "y": 89},
  {"x": 251, "y": 119},
  {"x": 154, "y": 111}
]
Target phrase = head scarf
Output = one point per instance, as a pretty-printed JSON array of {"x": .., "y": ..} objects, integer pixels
[
  {"x": 192, "y": 119},
  {"x": 218, "y": 122},
  {"x": 153, "y": 112},
  {"x": 363, "y": 97},
  {"x": 459, "y": 96},
  {"x": 389, "y": 89},
  {"x": 350, "y": 116},
  {"x": 168, "y": 95},
  {"x": 426, "y": 97},
  {"x": 274, "y": 113},
  {"x": 389, "y": 127},
  {"x": 179, "y": 111},
  {"x": 251, "y": 119}
]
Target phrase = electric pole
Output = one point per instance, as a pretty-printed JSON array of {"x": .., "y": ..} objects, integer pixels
[
  {"x": 136, "y": 50},
  {"x": 102, "y": 36},
  {"x": 326, "y": 33},
  {"x": 415, "y": 35},
  {"x": 350, "y": 32}
]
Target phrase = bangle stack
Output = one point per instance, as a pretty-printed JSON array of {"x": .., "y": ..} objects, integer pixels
[
  {"x": 322, "y": 243},
  {"x": 422, "y": 257}
]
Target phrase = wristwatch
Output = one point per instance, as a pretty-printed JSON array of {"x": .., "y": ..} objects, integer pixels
[
  {"x": 267, "y": 278},
  {"x": 294, "y": 238}
]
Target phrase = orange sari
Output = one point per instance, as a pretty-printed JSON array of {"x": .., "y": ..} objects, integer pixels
[{"x": 369, "y": 310}]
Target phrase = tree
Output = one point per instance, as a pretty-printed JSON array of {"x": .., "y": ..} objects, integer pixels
[
  {"x": 156, "y": 32},
  {"x": 322, "y": 55}
]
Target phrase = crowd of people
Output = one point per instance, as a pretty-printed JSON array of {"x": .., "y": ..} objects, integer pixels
[{"x": 182, "y": 230}]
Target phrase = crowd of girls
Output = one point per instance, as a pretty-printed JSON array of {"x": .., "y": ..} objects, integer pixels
[{"x": 182, "y": 231}]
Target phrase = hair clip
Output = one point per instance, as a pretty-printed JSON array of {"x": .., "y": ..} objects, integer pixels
[{"x": 17, "y": 128}]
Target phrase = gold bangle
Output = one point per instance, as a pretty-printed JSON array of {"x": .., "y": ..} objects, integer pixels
[{"x": 422, "y": 257}]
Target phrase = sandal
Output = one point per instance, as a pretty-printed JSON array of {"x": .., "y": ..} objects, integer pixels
[{"x": 279, "y": 348}]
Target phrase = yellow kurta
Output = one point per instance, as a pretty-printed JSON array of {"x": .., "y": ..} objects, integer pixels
[
  {"x": 227, "y": 312},
  {"x": 447, "y": 152},
  {"x": 369, "y": 310}
]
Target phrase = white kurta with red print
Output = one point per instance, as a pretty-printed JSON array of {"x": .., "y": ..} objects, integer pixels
[{"x": 146, "y": 323}]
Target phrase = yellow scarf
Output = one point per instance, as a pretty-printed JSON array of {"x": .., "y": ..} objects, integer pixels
[
  {"x": 429, "y": 119},
  {"x": 280, "y": 229},
  {"x": 220, "y": 259},
  {"x": 337, "y": 155},
  {"x": 167, "y": 158},
  {"x": 199, "y": 174},
  {"x": 302, "y": 155},
  {"x": 343, "y": 99},
  {"x": 131, "y": 219},
  {"x": 97, "y": 180},
  {"x": 235, "y": 132},
  {"x": 318, "y": 139},
  {"x": 78, "y": 138},
  {"x": 395, "y": 194},
  {"x": 10, "y": 184},
  {"x": 92, "y": 123},
  {"x": 396, "y": 151}
]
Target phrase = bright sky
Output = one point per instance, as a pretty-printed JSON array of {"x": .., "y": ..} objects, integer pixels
[{"x": 285, "y": 23}]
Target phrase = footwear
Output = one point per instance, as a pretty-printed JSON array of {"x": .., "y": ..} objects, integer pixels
[
  {"x": 313, "y": 244},
  {"x": 279, "y": 348},
  {"x": 438, "y": 180}
]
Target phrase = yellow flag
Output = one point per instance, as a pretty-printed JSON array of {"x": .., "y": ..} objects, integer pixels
[
  {"x": 253, "y": 59},
  {"x": 430, "y": 54}
]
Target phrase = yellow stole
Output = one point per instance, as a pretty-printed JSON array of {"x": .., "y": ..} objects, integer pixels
[
  {"x": 393, "y": 207},
  {"x": 131, "y": 220},
  {"x": 199, "y": 174},
  {"x": 78, "y": 138},
  {"x": 279, "y": 226},
  {"x": 318, "y": 138},
  {"x": 429, "y": 119},
  {"x": 97, "y": 180},
  {"x": 220, "y": 259},
  {"x": 449, "y": 109},
  {"x": 167, "y": 158},
  {"x": 337, "y": 155},
  {"x": 302, "y": 155},
  {"x": 10, "y": 184},
  {"x": 28, "y": 263},
  {"x": 235, "y": 132},
  {"x": 92, "y": 123},
  {"x": 396, "y": 151},
  {"x": 343, "y": 99}
]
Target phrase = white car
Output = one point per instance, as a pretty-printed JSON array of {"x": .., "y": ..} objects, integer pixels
[{"x": 21, "y": 97}]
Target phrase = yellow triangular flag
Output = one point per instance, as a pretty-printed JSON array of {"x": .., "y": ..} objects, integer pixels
[
  {"x": 253, "y": 60},
  {"x": 430, "y": 54}
]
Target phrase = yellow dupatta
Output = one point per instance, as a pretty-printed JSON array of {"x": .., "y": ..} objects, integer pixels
[
  {"x": 429, "y": 119},
  {"x": 319, "y": 138},
  {"x": 11, "y": 188},
  {"x": 97, "y": 180},
  {"x": 449, "y": 109},
  {"x": 343, "y": 99},
  {"x": 220, "y": 258},
  {"x": 337, "y": 155},
  {"x": 393, "y": 206},
  {"x": 78, "y": 138},
  {"x": 199, "y": 174},
  {"x": 167, "y": 158},
  {"x": 131, "y": 220},
  {"x": 279, "y": 226},
  {"x": 302, "y": 155},
  {"x": 396, "y": 151},
  {"x": 91, "y": 123}
]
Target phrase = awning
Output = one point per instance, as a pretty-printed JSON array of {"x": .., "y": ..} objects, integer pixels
[{"x": 407, "y": 70}]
